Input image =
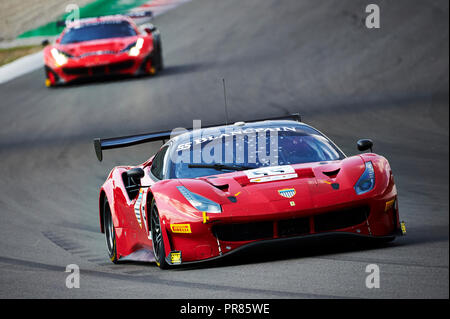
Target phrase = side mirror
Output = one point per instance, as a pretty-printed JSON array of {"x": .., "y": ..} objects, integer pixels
[
  {"x": 364, "y": 145},
  {"x": 136, "y": 174},
  {"x": 45, "y": 42},
  {"x": 149, "y": 28}
]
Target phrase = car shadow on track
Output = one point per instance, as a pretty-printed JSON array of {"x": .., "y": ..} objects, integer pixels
[
  {"x": 323, "y": 248},
  {"x": 182, "y": 69},
  {"x": 314, "y": 247},
  {"x": 294, "y": 249},
  {"x": 169, "y": 70}
]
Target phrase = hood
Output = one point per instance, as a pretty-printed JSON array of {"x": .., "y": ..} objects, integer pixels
[
  {"x": 97, "y": 47},
  {"x": 279, "y": 191}
]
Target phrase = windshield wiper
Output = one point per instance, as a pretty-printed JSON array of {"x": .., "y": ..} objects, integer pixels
[{"x": 221, "y": 167}]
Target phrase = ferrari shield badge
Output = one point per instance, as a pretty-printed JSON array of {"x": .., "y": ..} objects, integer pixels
[{"x": 287, "y": 192}]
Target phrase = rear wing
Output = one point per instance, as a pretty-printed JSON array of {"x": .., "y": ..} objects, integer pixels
[
  {"x": 125, "y": 141},
  {"x": 135, "y": 15},
  {"x": 139, "y": 14}
]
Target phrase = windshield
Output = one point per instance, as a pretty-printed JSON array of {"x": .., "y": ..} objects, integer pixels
[
  {"x": 95, "y": 31},
  {"x": 267, "y": 146}
]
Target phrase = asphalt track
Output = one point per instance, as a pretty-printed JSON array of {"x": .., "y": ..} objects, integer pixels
[{"x": 312, "y": 57}]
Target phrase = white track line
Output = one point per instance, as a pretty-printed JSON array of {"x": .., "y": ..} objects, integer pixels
[{"x": 21, "y": 66}]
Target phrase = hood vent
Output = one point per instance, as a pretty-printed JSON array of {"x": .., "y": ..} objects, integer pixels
[
  {"x": 332, "y": 174},
  {"x": 223, "y": 186}
]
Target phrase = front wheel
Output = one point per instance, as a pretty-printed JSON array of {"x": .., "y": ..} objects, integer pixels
[
  {"x": 110, "y": 233},
  {"x": 51, "y": 78},
  {"x": 157, "y": 237},
  {"x": 149, "y": 67}
]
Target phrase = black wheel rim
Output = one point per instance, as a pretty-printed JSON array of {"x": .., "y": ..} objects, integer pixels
[{"x": 157, "y": 239}]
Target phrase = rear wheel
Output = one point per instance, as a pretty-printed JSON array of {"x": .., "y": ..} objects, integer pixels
[
  {"x": 160, "y": 58},
  {"x": 157, "y": 237},
  {"x": 110, "y": 232}
]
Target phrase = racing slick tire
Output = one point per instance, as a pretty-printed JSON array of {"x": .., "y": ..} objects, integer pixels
[
  {"x": 110, "y": 232},
  {"x": 157, "y": 237},
  {"x": 154, "y": 63},
  {"x": 149, "y": 66},
  {"x": 160, "y": 58}
]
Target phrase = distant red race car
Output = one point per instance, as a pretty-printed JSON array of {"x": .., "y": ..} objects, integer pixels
[
  {"x": 103, "y": 46},
  {"x": 208, "y": 193}
]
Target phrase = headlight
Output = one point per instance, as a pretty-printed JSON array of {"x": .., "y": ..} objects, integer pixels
[
  {"x": 199, "y": 202},
  {"x": 367, "y": 180},
  {"x": 60, "y": 57},
  {"x": 136, "y": 49}
]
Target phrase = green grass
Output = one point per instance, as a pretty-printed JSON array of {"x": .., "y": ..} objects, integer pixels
[
  {"x": 93, "y": 9},
  {"x": 10, "y": 54}
]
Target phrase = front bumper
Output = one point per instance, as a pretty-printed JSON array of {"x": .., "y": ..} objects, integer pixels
[
  {"x": 213, "y": 238},
  {"x": 99, "y": 66}
]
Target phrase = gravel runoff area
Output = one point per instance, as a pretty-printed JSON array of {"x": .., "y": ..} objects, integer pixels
[
  {"x": 17, "y": 17},
  {"x": 7, "y": 55}
]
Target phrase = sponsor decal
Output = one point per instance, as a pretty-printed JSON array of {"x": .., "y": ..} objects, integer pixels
[
  {"x": 335, "y": 186},
  {"x": 389, "y": 205},
  {"x": 403, "y": 228},
  {"x": 175, "y": 257},
  {"x": 273, "y": 178},
  {"x": 137, "y": 207},
  {"x": 232, "y": 199},
  {"x": 292, "y": 203},
  {"x": 271, "y": 173},
  {"x": 205, "y": 217},
  {"x": 181, "y": 228},
  {"x": 230, "y": 134},
  {"x": 143, "y": 207},
  {"x": 287, "y": 192}
]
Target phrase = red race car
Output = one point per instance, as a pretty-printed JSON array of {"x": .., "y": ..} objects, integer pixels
[
  {"x": 109, "y": 45},
  {"x": 213, "y": 191}
]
